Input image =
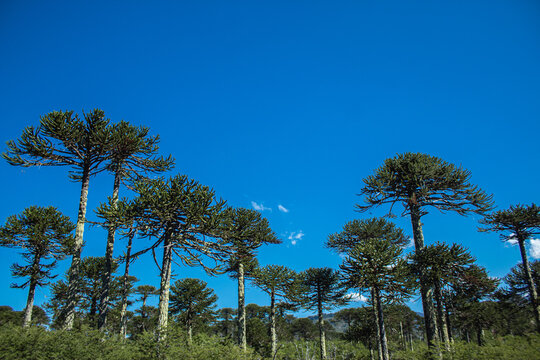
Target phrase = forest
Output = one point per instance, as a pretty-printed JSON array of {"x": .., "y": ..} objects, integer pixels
[{"x": 99, "y": 309}]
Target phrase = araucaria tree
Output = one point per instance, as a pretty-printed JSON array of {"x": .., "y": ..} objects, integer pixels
[
  {"x": 62, "y": 139},
  {"x": 182, "y": 216},
  {"x": 43, "y": 234},
  {"x": 437, "y": 265},
  {"x": 245, "y": 231},
  {"x": 192, "y": 300},
  {"x": 418, "y": 182},
  {"x": 132, "y": 153},
  {"x": 278, "y": 282},
  {"x": 322, "y": 290},
  {"x": 519, "y": 223},
  {"x": 374, "y": 264}
]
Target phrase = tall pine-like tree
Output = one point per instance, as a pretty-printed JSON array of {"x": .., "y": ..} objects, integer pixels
[
  {"x": 419, "y": 182},
  {"x": 63, "y": 139},
  {"x": 519, "y": 223},
  {"x": 43, "y": 234}
]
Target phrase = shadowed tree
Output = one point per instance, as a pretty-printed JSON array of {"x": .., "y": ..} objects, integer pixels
[
  {"x": 132, "y": 154},
  {"x": 418, "y": 182},
  {"x": 375, "y": 264},
  {"x": 62, "y": 139},
  {"x": 145, "y": 291},
  {"x": 182, "y": 216},
  {"x": 440, "y": 264},
  {"x": 245, "y": 230},
  {"x": 43, "y": 234},
  {"x": 276, "y": 281},
  {"x": 193, "y": 300},
  {"x": 469, "y": 289},
  {"x": 373, "y": 248},
  {"x": 322, "y": 290},
  {"x": 519, "y": 223}
]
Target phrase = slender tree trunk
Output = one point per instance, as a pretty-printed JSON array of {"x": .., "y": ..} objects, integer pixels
[
  {"x": 322, "y": 335},
  {"x": 479, "y": 337},
  {"x": 74, "y": 270},
  {"x": 448, "y": 323},
  {"x": 380, "y": 324},
  {"x": 123, "y": 310},
  {"x": 377, "y": 325},
  {"x": 241, "y": 309},
  {"x": 273, "y": 323},
  {"x": 425, "y": 291},
  {"x": 29, "y": 303},
  {"x": 104, "y": 300},
  {"x": 401, "y": 335},
  {"x": 163, "y": 311},
  {"x": 189, "y": 330},
  {"x": 530, "y": 283},
  {"x": 441, "y": 319}
]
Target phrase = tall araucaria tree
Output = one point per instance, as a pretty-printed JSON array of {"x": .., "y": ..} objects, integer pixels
[
  {"x": 373, "y": 262},
  {"x": 245, "y": 230},
  {"x": 519, "y": 223},
  {"x": 322, "y": 290},
  {"x": 43, "y": 234},
  {"x": 418, "y": 182},
  {"x": 62, "y": 139},
  {"x": 132, "y": 153},
  {"x": 278, "y": 282},
  {"x": 192, "y": 300},
  {"x": 182, "y": 216}
]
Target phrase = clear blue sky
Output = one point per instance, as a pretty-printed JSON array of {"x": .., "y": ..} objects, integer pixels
[{"x": 286, "y": 103}]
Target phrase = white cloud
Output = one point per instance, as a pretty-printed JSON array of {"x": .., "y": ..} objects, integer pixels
[
  {"x": 512, "y": 240},
  {"x": 282, "y": 208},
  {"x": 535, "y": 248},
  {"x": 295, "y": 236},
  {"x": 356, "y": 297},
  {"x": 259, "y": 207}
]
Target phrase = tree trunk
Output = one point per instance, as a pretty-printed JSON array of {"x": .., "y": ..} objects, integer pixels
[
  {"x": 273, "y": 323},
  {"x": 109, "y": 249},
  {"x": 402, "y": 336},
  {"x": 189, "y": 330},
  {"x": 377, "y": 325},
  {"x": 241, "y": 309},
  {"x": 380, "y": 324},
  {"x": 163, "y": 312},
  {"x": 74, "y": 270},
  {"x": 479, "y": 337},
  {"x": 532, "y": 288},
  {"x": 425, "y": 290},
  {"x": 123, "y": 317},
  {"x": 29, "y": 303},
  {"x": 441, "y": 319},
  {"x": 322, "y": 336}
]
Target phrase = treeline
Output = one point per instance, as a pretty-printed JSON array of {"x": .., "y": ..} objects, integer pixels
[{"x": 190, "y": 225}]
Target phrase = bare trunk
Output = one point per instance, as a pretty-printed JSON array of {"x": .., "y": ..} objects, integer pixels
[
  {"x": 273, "y": 323},
  {"x": 190, "y": 330},
  {"x": 241, "y": 309},
  {"x": 441, "y": 319},
  {"x": 104, "y": 300},
  {"x": 379, "y": 335},
  {"x": 74, "y": 270},
  {"x": 530, "y": 283},
  {"x": 401, "y": 335},
  {"x": 123, "y": 317},
  {"x": 29, "y": 303},
  {"x": 163, "y": 315},
  {"x": 425, "y": 291},
  {"x": 380, "y": 324},
  {"x": 322, "y": 335}
]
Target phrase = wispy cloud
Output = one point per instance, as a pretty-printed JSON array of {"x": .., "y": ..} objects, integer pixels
[
  {"x": 260, "y": 207},
  {"x": 295, "y": 236},
  {"x": 356, "y": 297},
  {"x": 535, "y": 248},
  {"x": 282, "y": 208}
]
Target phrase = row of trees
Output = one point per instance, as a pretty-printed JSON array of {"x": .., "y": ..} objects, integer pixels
[{"x": 194, "y": 227}]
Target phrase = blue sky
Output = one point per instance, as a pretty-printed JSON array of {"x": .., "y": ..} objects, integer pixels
[{"x": 287, "y": 103}]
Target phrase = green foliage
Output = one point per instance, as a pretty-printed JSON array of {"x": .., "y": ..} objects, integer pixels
[
  {"x": 418, "y": 180},
  {"x": 322, "y": 289},
  {"x": 43, "y": 234},
  {"x": 193, "y": 301},
  {"x": 519, "y": 222}
]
